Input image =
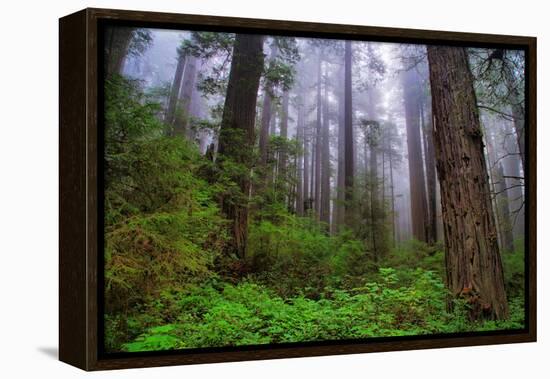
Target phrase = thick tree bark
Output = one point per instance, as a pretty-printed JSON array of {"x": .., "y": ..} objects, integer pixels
[
  {"x": 419, "y": 207},
  {"x": 472, "y": 256},
  {"x": 170, "y": 116},
  {"x": 237, "y": 134},
  {"x": 325, "y": 170},
  {"x": 348, "y": 135}
]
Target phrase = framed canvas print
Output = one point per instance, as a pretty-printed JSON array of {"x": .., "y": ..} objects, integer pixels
[{"x": 238, "y": 189}]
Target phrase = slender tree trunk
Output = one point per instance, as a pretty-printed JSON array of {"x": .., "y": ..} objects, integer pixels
[
  {"x": 429, "y": 162},
  {"x": 170, "y": 117},
  {"x": 266, "y": 115},
  {"x": 340, "y": 211},
  {"x": 416, "y": 165},
  {"x": 318, "y": 142},
  {"x": 348, "y": 135},
  {"x": 181, "y": 124},
  {"x": 307, "y": 195},
  {"x": 325, "y": 171},
  {"x": 282, "y": 178},
  {"x": 237, "y": 134},
  {"x": 300, "y": 162},
  {"x": 518, "y": 114},
  {"x": 392, "y": 194},
  {"x": 503, "y": 210},
  {"x": 472, "y": 256},
  {"x": 514, "y": 184}
]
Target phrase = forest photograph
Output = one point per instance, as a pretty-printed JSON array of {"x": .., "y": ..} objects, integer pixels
[{"x": 268, "y": 189}]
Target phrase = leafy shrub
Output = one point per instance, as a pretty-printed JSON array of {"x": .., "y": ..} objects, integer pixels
[
  {"x": 222, "y": 314},
  {"x": 292, "y": 257}
]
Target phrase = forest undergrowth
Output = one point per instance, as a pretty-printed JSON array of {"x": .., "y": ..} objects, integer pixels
[{"x": 169, "y": 283}]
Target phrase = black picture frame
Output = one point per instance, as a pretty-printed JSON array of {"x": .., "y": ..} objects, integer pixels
[{"x": 80, "y": 183}]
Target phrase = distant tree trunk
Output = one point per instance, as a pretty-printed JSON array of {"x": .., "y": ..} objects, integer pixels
[
  {"x": 284, "y": 133},
  {"x": 182, "y": 127},
  {"x": 306, "y": 189},
  {"x": 429, "y": 161},
  {"x": 325, "y": 155},
  {"x": 416, "y": 164},
  {"x": 503, "y": 210},
  {"x": 117, "y": 43},
  {"x": 392, "y": 194},
  {"x": 282, "y": 178},
  {"x": 170, "y": 116},
  {"x": 340, "y": 194},
  {"x": 318, "y": 142},
  {"x": 237, "y": 135},
  {"x": 518, "y": 114},
  {"x": 472, "y": 257},
  {"x": 300, "y": 163},
  {"x": 514, "y": 184},
  {"x": 348, "y": 135},
  {"x": 266, "y": 115},
  {"x": 183, "y": 113}
]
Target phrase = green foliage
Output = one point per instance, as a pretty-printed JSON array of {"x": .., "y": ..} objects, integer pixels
[
  {"x": 514, "y": 269},
  {"x": 170, "y": 284},
  {"x": 163, "y": 229},
  {"x": 248, "y": 314},
  {"x": 291, "y": 254}
]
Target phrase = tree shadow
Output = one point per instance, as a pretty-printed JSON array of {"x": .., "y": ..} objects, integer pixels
[{"x": 50, "y": 351}]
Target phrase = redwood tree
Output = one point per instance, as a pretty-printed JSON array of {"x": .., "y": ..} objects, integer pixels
[
  {"x": 348, "y": 134},
  {"x": 419, "y": 207},
  {"x": 472, "y": 256},
  {"x": 237, "y": 134}
]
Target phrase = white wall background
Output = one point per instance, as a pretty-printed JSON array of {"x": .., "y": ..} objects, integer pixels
[{"x": 28, "y": 187}]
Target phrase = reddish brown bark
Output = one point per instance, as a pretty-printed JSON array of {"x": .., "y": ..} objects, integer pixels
[
  {"x": 472, "y": 256},
  {"x": 237, "y": 135},
  {"x": 419, "y": 207}
]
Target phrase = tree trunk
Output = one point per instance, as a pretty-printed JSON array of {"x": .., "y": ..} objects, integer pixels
[
  {"x": 416, "y": 164},
  {"x": 472, "y": 257},
  {"x": 392, "y": 194},
  {"x": 300, "y": 165},
  {"x": 518, "y": 114},
  {"x": 175, "y": 90},
  {"x": 514, "y": 184},
  {"x": 282, "y": 179},
  {"x": 348, "y": 135},
  {"x": 284, "y": 134},
  {"x": 307, "y": 195},
  {"x": 266, "y": 115},
  {"x": 117, "y": 42},
  {"x": 503, "y": 210},
  {"x": 340, "y": 187},
  {"x": 429, "y": 162},
  {"x": 325, "y": 171},
  {"x": 237, "y": 134},
  {"x": 318, "y": 142},
  {"x": 182, "y": 128}
]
